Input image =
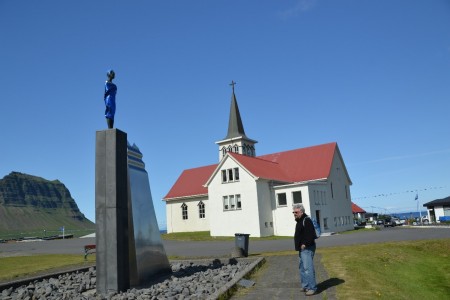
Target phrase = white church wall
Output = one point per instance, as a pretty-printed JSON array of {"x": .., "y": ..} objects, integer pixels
[
  {"x": 320, "y": 209},
  {"x": 174, "y": 215},
  {"x": 339, "y": 197},
  {"x": 282, "y": 214},
  {"x": 227, "y": 222},
  {"x": 266, "y": 224}
]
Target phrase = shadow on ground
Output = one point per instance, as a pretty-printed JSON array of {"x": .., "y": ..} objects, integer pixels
[{"x": 329, "y": 283}]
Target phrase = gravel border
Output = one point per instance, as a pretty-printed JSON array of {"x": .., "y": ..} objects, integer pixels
[{"x": 245, "y": 267}]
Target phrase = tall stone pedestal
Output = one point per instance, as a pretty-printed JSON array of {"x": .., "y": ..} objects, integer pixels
[{"x": 111, "y": 211}]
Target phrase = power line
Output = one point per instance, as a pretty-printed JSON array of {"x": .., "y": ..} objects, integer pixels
[{"x": 398, "y": 193}]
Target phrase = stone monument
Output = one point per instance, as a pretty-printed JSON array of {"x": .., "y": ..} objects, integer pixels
[
  {"x": 147, "y": 255},
  {"x": 129, "y": 247},
  {"x": 111, "y": 211}
]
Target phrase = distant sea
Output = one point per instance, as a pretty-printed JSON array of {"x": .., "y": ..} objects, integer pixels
[
  {"x": 410, "y": 215},
  {"x": 163, "y": 231}
]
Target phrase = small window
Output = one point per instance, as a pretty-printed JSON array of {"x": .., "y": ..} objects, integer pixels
[
  {"x": 325, "y": 223},
  {"x": 297, "y": 196},
  {"x": 332, "y": 194},
  {"x": 236, "y": 148},
  {"x": 236, "y": 174},
  {"x": 226, "y": 205},
  {"x": 282, "y": 199},
  {"x": 224, "y": 175},
  {"x": 184, "y": 211},
  {"x": 238, "y": 202},
  {"x": 232, "y": 204},
  {"x": 201, "y": 210},
  {"x": 224, "y": 151},
  {"x": 230, "y": 174}
]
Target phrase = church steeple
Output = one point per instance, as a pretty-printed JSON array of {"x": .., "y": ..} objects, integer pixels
[
  {"x": 236, "y": 140},
  {"x": 235, "y": 127}
]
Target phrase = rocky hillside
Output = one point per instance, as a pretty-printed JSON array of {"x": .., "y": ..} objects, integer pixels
[{"x": 33, "y": 203}]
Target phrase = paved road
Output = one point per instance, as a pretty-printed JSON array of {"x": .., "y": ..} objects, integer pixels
[{"x": 223, "y": 248}]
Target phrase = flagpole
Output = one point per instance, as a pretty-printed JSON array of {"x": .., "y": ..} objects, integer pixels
[{"x": 420, "y": 212}]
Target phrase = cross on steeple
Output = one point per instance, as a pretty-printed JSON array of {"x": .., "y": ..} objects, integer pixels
[{"x": 232, "y": 84}]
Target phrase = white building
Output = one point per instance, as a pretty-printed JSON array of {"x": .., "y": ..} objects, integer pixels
[
  {"x": 245, "y": 193},
  {"x": 438, "y": 210}
]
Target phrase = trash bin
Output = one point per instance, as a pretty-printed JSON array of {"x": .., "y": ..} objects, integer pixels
[{"x": 241, "y": 241}]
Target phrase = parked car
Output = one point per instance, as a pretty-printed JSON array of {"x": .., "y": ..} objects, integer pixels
[
  {"x": 380, "y": 222},
  {"x": 425, "y": 221},
  {"x": 396, "y": 221},
  {"x": 389, "y": 223}
]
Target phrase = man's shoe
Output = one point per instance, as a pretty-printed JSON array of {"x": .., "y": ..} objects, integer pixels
[{"x": 310, "y": 293}]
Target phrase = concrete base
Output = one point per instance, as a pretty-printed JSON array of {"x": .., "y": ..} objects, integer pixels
[{"x": 111, "y": 211}]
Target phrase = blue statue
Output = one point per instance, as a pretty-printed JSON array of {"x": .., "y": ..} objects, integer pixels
[{"x": 110, "y": 99}]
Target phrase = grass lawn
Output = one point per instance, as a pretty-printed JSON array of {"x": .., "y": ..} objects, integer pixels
[
  {"x": 397, "y": 270},
  {"x": 17, "y": 267}
]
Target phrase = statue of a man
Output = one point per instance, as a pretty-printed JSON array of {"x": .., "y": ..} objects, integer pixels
[{"x": 110, "y": 99}]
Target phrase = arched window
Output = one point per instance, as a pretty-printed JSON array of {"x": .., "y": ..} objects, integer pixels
[
  {"x": 184, "y": 211},
  {"x": 201, "y": 210},
  {"x": 224, "y": 151},
  {"x": 236, "y": 149}
]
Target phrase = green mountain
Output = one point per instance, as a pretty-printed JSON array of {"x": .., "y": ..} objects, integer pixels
[{"x": 30, "y": 204}]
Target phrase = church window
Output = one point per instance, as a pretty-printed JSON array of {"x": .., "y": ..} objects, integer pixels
[
  {"x": 282, "y": 201},
  {"x": 184, "y": 211},
  {"x": 238, "y": 202},
  {"x": 201, "y": 209},
  {"x": 226, "y": 204},
  {"x": 236, "y": 148},
  {"x": 230, "y": 174},
  {"x": 224, "y": 175},
  {"x": 229, "y": 148},
  {"x": 232, "y": 202},
  {"x": 224, "y": 151},
  {"x": 297, "y": 196},
  {"x": 332, "y": 194}
]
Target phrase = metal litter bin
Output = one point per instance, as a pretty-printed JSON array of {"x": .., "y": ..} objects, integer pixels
[{"x": 241, "y": 241}]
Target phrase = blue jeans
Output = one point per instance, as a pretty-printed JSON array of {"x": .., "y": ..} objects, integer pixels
[{"x": 306, "y": 266}]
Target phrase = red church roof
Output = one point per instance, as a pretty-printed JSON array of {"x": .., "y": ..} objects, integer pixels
[
  {"x": 190, "y": 182},
  {"x": 297, "y": 165},
  {"x": 356, "y": 209}
]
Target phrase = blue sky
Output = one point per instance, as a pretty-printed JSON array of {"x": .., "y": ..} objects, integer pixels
[{"x": 373, "y": 76}]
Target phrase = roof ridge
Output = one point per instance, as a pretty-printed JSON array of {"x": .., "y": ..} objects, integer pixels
[
  {"x": 254, "y": 157},
  {"x": 303, "y": 148}
]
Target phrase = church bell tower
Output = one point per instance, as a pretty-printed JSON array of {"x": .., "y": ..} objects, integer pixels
[{"x": 236, "y": 141}]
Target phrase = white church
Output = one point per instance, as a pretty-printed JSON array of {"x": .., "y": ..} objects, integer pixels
[{"x": 250, "y": 194}]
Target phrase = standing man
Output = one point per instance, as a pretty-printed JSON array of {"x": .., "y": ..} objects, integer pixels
[
  {"x": 110, "y": 98},
  {"x": 304, "y": 243}
]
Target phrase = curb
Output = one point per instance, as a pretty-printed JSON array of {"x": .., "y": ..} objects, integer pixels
[{"x": 227, "y": 290}]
